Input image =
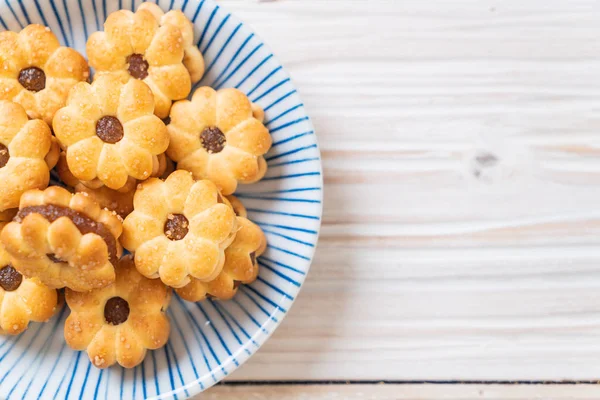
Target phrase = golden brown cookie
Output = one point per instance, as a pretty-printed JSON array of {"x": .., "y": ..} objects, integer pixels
[
  {"x": 118, "y": 323},
  {"x": 170, "y": 168},
  {"x": 8, "y": 214},
  {"x": 119, "y": 201},
  {"x": 164, "y": 167},
  {"x": 22, "y": 299},
  {"x": 110, "y": 133},
  {"x": 54, "y": 153},
  {"x": 64, "y": 239},
  {"x": 240, "y": 266},
  {"x": 37, "y": 72},
  {"x": 135, "y": 47},
  {"x": 24, "y": 146},
  {"x": 238, "y": 206},
  {"x": 64, "y": 173},
  {"x": 179, "y": 229},
  {"x": 192, "y": 59},
  {"x": 218, "y": 136},
  {"x": 112, "y": 200},
  {"x": 161, "y": 166}
]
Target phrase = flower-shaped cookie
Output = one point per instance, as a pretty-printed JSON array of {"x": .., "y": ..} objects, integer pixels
[
  {"x": 179, "y": 229},
  {"x": 240, "y": 262},
  {"x": 110, "y": 132},
  {"x": 192, "y": 59},
  {"x": 24, "y": 145},
  {"x": 134, "y": 46},
  {"x": 120, "y": 322},
  {"x": 64, "y": 239},
  {"x": 22, "y": 299},
  {"x": 36, "y": 72},
  {"x": 218, "y": 136}
]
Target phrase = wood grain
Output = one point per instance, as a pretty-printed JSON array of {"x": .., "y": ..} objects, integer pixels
[
  {"x": 404, "y": 392},
  {"x": 461, "y": 230}
]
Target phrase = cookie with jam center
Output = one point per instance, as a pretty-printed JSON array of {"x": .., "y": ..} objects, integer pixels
[
  {"x": 37, "y": 71},
  {"x": 26, "y": 149},
  {"x": 179, "y": 229},
  {"x": 64, "y": 240},
  {"x": 22, "y": 299},
  {"x": 220, "y": 136},
  {"x": 135, "y": 46},
  {"x": 119, "y": 323},
  {"x": 192, "y": 57},
  {"x": 110, "y": 133}
]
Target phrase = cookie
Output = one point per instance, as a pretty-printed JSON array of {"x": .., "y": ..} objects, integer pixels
[
  {"x": 37, "y": 72},
  {"x": 218, "y": 136},
  {"x": 22, "y": 299},
  {"x": 161, "y": 165},
  {"x": 8, "y": 215},
  {"x": 192, "y": 58},
  {"x": 238, "y": 206},
  {"x": 54, "y": 153},
  {"x": 63, "y": 239},
  {"x": 169, "y": 168},
  {"x": 118, "y": 323},
  {"x": 136, "y": 47},
  {"x": 179, "y": 229},
  {"x": 119, "y": 201},
  {"x": 164, "y": 167},
  {"x": 110, "y": 133},
  {"x": 24, "y": 146},
  {"x": 240, "y": 265}
]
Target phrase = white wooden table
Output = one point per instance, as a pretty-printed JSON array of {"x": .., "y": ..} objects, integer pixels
[{"x": 461, "y": 231}]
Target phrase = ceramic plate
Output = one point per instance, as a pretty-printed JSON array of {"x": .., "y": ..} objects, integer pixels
[{"x": 210, "y": 339}]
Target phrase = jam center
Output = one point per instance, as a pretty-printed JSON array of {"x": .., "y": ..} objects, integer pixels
[
  {"x": 138, "y": 67},
  {"x": 109, "y": 129},
  {"x": 33, "y": 79},
  {"x": 176, "y": 227},
  {"x": 116, "y": 311},
  {"x": 10, "y": 278},
  {"x": 4, "y": 155},
  {"x": 212, "y": 139},
  {"x": 52, "y": 257},
  {"x": 84, "y": 223}
]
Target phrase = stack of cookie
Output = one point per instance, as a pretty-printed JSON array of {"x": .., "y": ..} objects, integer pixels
[{"x": 144, "y": 170}]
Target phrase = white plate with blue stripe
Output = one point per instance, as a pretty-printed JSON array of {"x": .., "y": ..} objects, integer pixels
[{"x": 209, "y": 339}]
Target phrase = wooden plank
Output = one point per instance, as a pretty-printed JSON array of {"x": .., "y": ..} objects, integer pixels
[
  {"x": 404, "y": 392},
  {"x": 461, "y": 228}
]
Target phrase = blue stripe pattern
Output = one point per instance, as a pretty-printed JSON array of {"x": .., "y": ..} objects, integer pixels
[{"x": 211, "y": 339}]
